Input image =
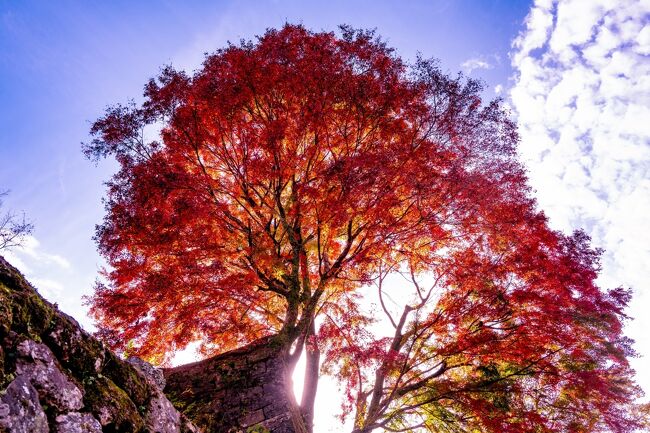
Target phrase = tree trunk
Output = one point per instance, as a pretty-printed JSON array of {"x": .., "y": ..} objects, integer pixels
[
  {"x": 297, "y": 419},
  {"x": 312, "y": 367}
]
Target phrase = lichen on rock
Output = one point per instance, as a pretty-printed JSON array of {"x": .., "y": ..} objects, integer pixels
[
  {"x": 75, "y": 422},
  {"x": 37, "y": 364},
  {"x": 20, "y": 409}
]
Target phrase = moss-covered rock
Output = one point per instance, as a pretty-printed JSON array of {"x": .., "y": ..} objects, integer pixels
[
  {"x": 35, "y": 338},
  {"x": 111, "y": 405}
]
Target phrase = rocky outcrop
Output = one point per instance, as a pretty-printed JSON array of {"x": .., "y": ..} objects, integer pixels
[
  {"x": 55, "y": 377},
  {"x": 239, "y": 391}
]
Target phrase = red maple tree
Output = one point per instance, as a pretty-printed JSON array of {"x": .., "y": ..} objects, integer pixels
[{"x": 293, "y": 174}]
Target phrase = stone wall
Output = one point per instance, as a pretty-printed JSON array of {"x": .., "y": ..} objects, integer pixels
[
  {"x": 239, "y": 391},
  {"x": 54, "y": 377}
]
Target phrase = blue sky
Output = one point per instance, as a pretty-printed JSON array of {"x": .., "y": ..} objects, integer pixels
[{"x": 574, "y": 73}]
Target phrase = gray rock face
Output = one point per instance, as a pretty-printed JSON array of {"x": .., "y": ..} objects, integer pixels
[
  {"x": 75, "y": 422},
  {"x": 154, "y": 375},
  {"x": 20, "y": 409},
  {"x": 41, "y": 384},
  {"x": 162, "y": 417},
  {"x": 37, "y": 364}
]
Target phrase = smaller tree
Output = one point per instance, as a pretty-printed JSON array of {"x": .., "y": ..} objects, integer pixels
[{"x": 13, "y": 227}]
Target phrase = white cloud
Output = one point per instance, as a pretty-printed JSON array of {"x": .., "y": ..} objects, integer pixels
[
  {"x": 44, "y": 270},
  {"x": 50, "y": 289},
  {"x": 582, "y": 98},
  {"x": 59, "y": 260},
  {"x": 538, "y": 25},
  {"x": 16, "y": 261},
  {"x": 31, "y": 248},
  {"x": 470, "y": 65}
]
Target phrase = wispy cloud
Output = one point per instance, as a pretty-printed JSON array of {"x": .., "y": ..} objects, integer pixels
[
  {"x": 44, "y": 270},
  {"x": 50, "y": 289},
  {"x": 31, "y": 248},
  {"x": 582, "y": 97},
  {"x": 475, "y": 63}
]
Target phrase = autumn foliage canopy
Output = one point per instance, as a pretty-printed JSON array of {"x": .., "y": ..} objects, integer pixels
[{"x": 292, "y": 183}]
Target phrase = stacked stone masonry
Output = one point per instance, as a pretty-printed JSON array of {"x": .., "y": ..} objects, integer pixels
[{"x": 240, "y": 391}]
